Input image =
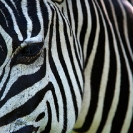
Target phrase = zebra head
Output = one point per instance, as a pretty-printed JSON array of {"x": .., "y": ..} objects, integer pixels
[{"x": 40, "y": 67}]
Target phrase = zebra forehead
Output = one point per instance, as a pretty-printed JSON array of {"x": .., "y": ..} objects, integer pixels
[{"x": 23, "y": 19}]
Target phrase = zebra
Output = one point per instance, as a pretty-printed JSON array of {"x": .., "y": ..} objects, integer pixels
[
  {"x": 66, "y": 65},
  {"x": 131, "y": 1}
]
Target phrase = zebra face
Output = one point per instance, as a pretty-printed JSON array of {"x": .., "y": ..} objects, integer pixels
[
  {"x": 22, "y": 29},
  {"x": 36, "y": 86}
]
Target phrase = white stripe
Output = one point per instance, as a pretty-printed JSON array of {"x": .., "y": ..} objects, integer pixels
[
  {"x": 69, "y": 105},
  {"x": 19, "y": 70},
  {"x": 87, "y": 73},
  {"x": 16, "y": 28},
  {"x": 29, "y": 22},
  {"x": 22, "y": 97},
  {"x": 99, "y": 111},
  {"x": 8, "y": 41},
  {"x": 115, "y": 101},
  {"x": 72, "y": 39},
  {"x": 88, "y": 30},
  {"x": 125, "y": 25},
  {"x": 39, "y": 14},
  {"x": 79, "y": 28},
  {"x": 129, "y": 113},
  {"x": 14, "y": 4},
  {"x": 73, "y": 25}
]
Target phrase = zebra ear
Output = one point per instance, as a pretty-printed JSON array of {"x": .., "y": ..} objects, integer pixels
[{"x": 58, "y": 1}]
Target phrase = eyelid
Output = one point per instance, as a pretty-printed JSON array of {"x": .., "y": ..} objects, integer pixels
[
  {"x": 31, "y": 41},
  {"x": 29, "y": 53},
  {"x": 58, "y": 1}
]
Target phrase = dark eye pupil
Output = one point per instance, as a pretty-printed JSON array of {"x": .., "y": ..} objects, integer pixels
[
  {"x": 29, "y": 53},
  {"x": 31, "y": 50}
]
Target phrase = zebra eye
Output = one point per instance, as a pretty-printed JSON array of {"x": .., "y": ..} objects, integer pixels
[
  {"x": 58, "y": 1},
  {"x": 29, "y": 53}
]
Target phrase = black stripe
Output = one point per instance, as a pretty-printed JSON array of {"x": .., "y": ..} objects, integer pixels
[
  {"x": 75, "y": 14},
  {"x": 131, "y": 126},
  {"x": 69, "y": 50},
  {"x": 129, "y": 27},
  {"x": 3, "y": 50},
  {"x": 123, "y": 100},
  {"x": 124, "y": 88},
  {"x": 21, "y": 20},
  {"x": 23, "y": 82},
  {"x": 8, "y": 19},
  {"x": 120, "y": 21},
  {"x": 55, "y": 72},
  {"x": 97, "y": 70},
  {"x": 76, "y": 53},
  {"x": 92, "y": 33},
  {"x": 32, "y": 12},
  {"x": 48, "y": 126},
  {"x": 74, "y": 40},
  {"x": 85, "y": 21},
  {"x": 2, "y": 74},
  {"x": 4, "y": 85},
  {"x": 76, "y": 20},
  {"x": 26, "y": 108},
  {"x": 45, "y": 16},
  {"x": 62, "y": 61},
  {"x": 68, "y": 13},
  {"x": 111, "y": 79},
  {"x": 26, "y": 129}
]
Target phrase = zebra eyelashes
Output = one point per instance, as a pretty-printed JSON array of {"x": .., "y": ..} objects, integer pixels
[
  {"x": 58, "y": 1},
  {"x": 29, "y": 53}
]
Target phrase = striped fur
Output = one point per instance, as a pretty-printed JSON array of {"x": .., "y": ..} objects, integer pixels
[{"x": 66, "y": 64}]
